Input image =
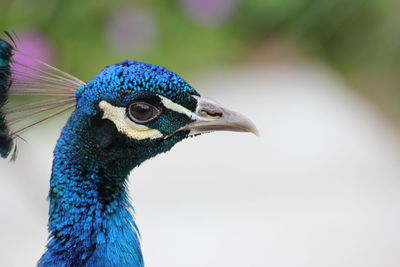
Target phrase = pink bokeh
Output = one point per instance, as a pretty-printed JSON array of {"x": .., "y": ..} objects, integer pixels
[
  {"x": 37, "y": 46},
  {"x": 130, "y": 29},
  {"x": 209, "y": 12}
]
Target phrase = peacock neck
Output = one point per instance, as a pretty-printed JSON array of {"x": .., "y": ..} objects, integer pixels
[{"x": 90, "y": 220}]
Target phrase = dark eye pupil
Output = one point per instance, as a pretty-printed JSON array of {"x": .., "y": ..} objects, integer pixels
[{"x": 142, "y": 112}]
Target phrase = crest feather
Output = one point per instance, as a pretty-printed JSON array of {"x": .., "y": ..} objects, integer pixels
[{"x": 54, "y": 88}]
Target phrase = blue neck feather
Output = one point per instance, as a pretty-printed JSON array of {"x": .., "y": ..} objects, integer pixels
[{"x": 90, "y": 220}]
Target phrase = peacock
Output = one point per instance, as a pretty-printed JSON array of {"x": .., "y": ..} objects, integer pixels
[{"x": 128, "y": 113}]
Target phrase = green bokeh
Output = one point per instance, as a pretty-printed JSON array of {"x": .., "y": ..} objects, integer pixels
[{"x": 359, "y": 38}]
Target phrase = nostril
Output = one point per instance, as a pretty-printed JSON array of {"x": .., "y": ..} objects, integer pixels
[{"x": 211, "y": 113}]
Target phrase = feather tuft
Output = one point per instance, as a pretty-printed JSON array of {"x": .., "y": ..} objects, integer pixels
[
  {"x": 6, "y": 52},
  {"x": 55, "y": 88}
]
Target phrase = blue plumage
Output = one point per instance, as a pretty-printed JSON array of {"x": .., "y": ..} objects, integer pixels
[
  {"x": 128, "y": 113},
  {"x": 90, "y": 216}
]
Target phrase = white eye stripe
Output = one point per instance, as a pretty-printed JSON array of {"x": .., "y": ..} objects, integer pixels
[
  {"x": 178, "y": 108},
  {"x": 124, "y": 125}
]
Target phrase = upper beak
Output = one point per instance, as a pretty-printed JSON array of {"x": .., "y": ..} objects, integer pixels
[{"x": 213, "y": 117}]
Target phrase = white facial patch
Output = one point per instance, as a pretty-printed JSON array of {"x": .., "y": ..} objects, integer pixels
[{"x": 124, "y": 125}]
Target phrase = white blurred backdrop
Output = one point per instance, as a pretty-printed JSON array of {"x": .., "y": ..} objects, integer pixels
[{"x": 319, "y": 187}]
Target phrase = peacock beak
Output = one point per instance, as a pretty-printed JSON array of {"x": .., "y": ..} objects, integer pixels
[{"x": 213, "y": 117}]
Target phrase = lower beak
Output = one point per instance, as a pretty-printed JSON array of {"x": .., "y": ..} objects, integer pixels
[{"x": 213, "y": 117}]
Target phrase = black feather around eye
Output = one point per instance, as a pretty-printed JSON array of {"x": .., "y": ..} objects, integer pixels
[{"x": 104, "y": 133}]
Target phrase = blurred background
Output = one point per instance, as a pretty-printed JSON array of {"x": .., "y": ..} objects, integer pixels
[{"x": 320, "y": 187}]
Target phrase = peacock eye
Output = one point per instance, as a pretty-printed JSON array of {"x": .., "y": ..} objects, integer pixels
[{"x": 142, "y": 112}]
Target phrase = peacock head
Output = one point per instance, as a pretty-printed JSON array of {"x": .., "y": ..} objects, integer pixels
[{"x": 139, "y": 106}]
